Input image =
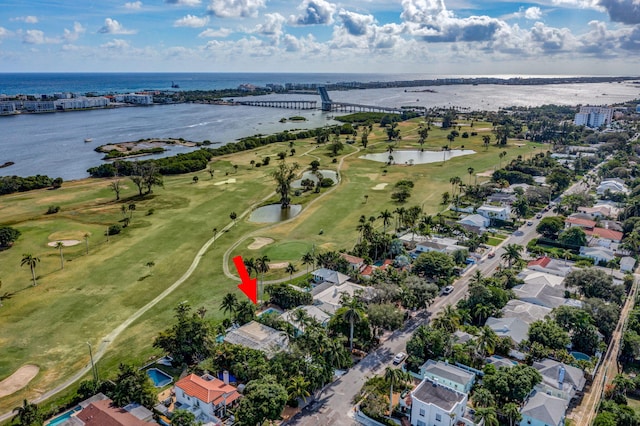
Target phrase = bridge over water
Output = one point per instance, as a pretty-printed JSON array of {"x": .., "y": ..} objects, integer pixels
[{"x": 326, "y": 104}]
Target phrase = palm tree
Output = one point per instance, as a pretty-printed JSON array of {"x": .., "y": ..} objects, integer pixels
[
  {"x": 512, "y": 254},
  {"x": 394, "y": 376},
  {"x": 501, "y": 156},
  {"x": 486, "y": 139},
  {"x": 291, "y": 269},
  {"x": 566, "y": 254},
  {"x": 297, "y": 388},
  {"x": 470, "y": 170},
  {"x": 483, "y": 398},
  {"x": 448, "y": 319},
  {"x": 352, "y": 314},
  {"x": 262, "y": 266},
  {"x": 400, "y": 212},
  {"x": 86, "y": 242},
  {"x": 487, "y": 341},
  {"x": 60, "y": 245},
  {"x": 28, "y": 414},
  {"x": 31, "y": 261},
  {"x": 233, "y": 217},
  {"x": 482, "y": 312},
  {"x": 446, "y": 199},
  {"x": 477, "y": 278},
  {"x": 511, "y": 411},
  {"x": 488, "y": 414},
  {"x": 386, "y": 219},
  {"x": 308, "y": 259},
  {"x": 229, "y": 303}
]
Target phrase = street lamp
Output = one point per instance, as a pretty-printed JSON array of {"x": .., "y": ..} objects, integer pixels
[{"x": 93, "y": 366}]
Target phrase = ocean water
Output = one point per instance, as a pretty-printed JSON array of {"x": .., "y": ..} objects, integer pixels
[{"x": 53, "y": 144}]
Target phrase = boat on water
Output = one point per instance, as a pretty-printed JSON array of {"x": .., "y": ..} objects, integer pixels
[
  {"x": 87, "y": 140},
  {"x": 175, "y": 85}
]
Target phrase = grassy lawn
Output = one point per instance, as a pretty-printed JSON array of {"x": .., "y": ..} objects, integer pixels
[{"x": 48, "y": 325}]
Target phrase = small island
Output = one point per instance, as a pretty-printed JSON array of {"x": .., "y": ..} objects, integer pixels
[{"x": 141, "y": 147}]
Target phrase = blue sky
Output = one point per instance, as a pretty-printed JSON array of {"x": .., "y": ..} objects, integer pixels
[{"x": 586, "y": 37}]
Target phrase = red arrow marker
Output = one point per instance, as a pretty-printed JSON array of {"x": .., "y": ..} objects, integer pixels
[{"x": 248, "y": 285}]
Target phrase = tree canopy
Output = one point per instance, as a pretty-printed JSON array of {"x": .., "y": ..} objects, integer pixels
[{"x": 263, "y": 400}]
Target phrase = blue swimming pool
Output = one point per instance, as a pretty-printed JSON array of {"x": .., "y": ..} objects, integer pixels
[
  {"x": 61, "y": 418},
  {"x": 580, "y": 356},
  {"x": 159, "y": 377},
  {"x": 270, "y": 311}
]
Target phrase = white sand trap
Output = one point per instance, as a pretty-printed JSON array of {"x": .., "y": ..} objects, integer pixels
[
  {"x": 224, "y": 182},
  {"x": 18, "y": 380},
  {"x": 279, "y": 265},
  {"x": 379, "y": 186},
  {"x": 488, "y": 173},
  {"x": 259, "y": 242},
  {"x": 66, "y": 243}
]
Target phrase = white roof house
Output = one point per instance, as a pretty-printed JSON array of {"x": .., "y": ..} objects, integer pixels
[
  {"x": 435, "y": 404},
  {"x": 612, "y": 185},
  {"x": 627, "y": 264},
  {"x": 329, "y": 275},
  {"x": 476, "y": 220},
  {"x": 541, "y": 289},
  {"x": 258, "y": 336},
  {"x": 313, "y": 311},
  {"x": 543, "y": 409},
  {"x": 527, "y": 312},
  {"x": 598, "y": 254},
  {"x": 495, "y": 212},
  {"x": 328, "y": 300},
  {"x": 442, "y": 245},
  {"x": 514, "y": 328}
]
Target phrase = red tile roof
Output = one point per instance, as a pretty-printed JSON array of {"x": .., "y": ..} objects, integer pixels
[
  {"x": 101, "y": 413},
  {"x": 208, "y": 390},
  {"x": 352, "y": 259},
  {"x": 608, "y": 234},
  {"x": 581, "y": 222},
  {"x": 541, "y": 261},
  {"x": 367, "y": 271}
]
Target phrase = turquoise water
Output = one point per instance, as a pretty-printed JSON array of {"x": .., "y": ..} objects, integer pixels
[
  {"x": 63, "y": 417},
  {"x": 580, "y": 356},
  {"x": 159, "y": 377},
  {"x": 270, "y": 311}
]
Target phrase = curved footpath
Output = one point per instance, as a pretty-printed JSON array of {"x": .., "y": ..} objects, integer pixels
[{"x": 106, "y": 341}]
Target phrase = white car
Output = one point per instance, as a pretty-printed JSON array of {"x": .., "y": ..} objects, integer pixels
[
  {"x": 400, "y": 356},
  {"x": 448, "y": 289}
]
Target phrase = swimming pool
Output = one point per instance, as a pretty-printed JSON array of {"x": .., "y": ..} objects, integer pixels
[
  {"x": 63, "y": 417},
  {"x": 270, "y": 311},
  {"x": 580, "y": 356},
  {"x": 159, "y": 377}
]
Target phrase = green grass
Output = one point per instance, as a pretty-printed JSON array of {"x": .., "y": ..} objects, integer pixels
[{"x": 49, "y": 325}]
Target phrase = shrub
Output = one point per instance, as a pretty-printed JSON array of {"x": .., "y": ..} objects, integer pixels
[
  {"x": 53, "y": 209},
  {"x": 114, "y": 229},
  {"x": 8, "y": 235},
  {"x": 326, "y": 182},
  {"x": 150, "y": 212}
]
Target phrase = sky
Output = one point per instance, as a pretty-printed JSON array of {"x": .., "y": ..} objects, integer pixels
[{"x": 461, "y": 37}]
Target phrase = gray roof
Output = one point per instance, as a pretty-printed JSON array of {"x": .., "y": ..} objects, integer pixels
[
  {"x": 330, "y": 275},
  {"x": 527, "y": 312},
  {"x": 474, "y": 220},
  {"x": 430, "y": 392},
  {"x": 499, "y": 361},
  {"x": 514, "y": 328},
  {"x": 550, "y": 369},
  {"x": 139, "y": 411},
  {"x": 463, "y": 336},
  {"x": 447, "y": 371},
  {"x": 627, "y": 263},
  {"x": 258, "y": 336},
  {"x": 548, "y": 409}
]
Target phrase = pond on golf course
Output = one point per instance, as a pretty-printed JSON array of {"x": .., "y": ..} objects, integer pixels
[
  {"x": 274, "y": 213},
  {"x": 417, "y": 157}
]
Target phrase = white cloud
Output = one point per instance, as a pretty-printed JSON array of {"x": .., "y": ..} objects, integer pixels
[
  {"x": 38, "y": 37},
  {"x": 133, "y": 5},
  {"x": 533, "y": 13},
  {"x": 26, "y": 19},
  {"x": 356, "y": 23},
  {"x": 624, "y": 11},
  {"x": 4, "y": 33},
  {"x": 184, "y": 2},
  {"x": 314, "y": 12},
  {"x": 272, "y": 27},
  {"x": 73, "y": 35},
  {"x": 219, "y": 33},
  {"x": 116, "y": 44},
  {"x": 111, "y": 26},
  {"x": 192, "y": 21},
  {"x": 235, "y": 8}
]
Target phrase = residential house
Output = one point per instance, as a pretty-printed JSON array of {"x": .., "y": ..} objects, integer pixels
[
  {"x": 612, "y": 185},
  {"x": 573, "y": 221},
  {"x": 549, "y": 266},
  {"x": 355, "y": 263},
  {"x": 442, "y": 245},
  {"x": 498, "y": 361},
  {"x": 542, "y": 289},
  {"x": 560, "y": 380},
  {"x": 102, "y": 412},
  {"x": 312, "y": 311},
  {"x": 627, "y": 264},
  {"x": 258, "y": 336},
  {"x": 527, "y": 312},
  {"x": 462, "y": 336},
  {"x": 598, "y": 254},
  {"x": 328, "y": 298},
  {"x": 598, "y": 236},
  {"x": 599, "y": 211},
  {"x": 513, "y": 328},
  {"x": 543, "y": 410},
  {"x": 329, "y": 275},
  {"x": 435, "y": 404},
  {"x": 503, "y": 198},
  {"x": 206, "y": 397},
  {"x": 475, "y": 220},
  {"x": 448, "y": 375},
  {"x": 495, "y": 212}
]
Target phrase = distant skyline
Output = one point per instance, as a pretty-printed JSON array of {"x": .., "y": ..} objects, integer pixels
[{"x": 580, "y": 37}]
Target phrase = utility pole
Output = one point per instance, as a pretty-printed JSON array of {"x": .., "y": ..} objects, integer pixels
[{"x": 93, "y": 366}]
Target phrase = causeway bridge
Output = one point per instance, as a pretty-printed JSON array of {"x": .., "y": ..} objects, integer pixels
[{"x": 326, "y": 104}]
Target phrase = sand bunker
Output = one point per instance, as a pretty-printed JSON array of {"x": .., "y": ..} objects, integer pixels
[
  {"x": 279, "y": 265},
  {"x": 224, "y": 182},
  {"x": 488, "y": 173},
  {"x": 259, "y": 242},
  {"x": 66, "y": 243},
  {"x": 379, "y": 186},
  {"x": 18, "y": 380}
]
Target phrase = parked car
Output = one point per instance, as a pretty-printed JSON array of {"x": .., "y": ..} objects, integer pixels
[
  {"x": 491, "y": 254},
  {"x": 400, "y": 356},
  {"x": 529, "y": 223},
  {"x": 539, "y": 216},
  {"x": 448, "y": 289}
]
